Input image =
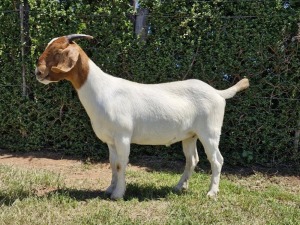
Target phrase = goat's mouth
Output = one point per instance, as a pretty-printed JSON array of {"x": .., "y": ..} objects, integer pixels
[
  {"x": 40, "y": 76},
  {"x": 43, "y": 79}
]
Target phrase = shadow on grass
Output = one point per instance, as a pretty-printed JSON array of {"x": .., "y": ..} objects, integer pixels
[
  {"x": 79, "y": 194},
  {"x": 133, "y": 191},
  {"x": 8, "y": 200},
  {"x": 146, "y": 192}
]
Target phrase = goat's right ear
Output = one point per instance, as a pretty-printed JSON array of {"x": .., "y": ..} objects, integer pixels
[{"x": 67, "y": 60}]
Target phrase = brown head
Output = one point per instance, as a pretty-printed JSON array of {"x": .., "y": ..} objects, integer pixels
[{"x": 63, "y": 59}]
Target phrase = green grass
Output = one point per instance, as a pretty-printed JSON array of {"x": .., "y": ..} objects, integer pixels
[{"x": 42, "y": 197}]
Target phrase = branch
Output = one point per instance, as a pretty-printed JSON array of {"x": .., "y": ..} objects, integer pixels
[{"x": 191, "y": 65}]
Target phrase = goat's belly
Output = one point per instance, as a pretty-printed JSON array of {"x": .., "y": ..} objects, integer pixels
[
  {"x": 162, "y": 132},
  {"x": 160, "y": 139}
]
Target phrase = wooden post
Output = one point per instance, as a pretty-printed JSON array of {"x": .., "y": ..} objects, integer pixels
[
  {"x": 24, "y": 91},
  {"x": 297, "y": 132},
  {"x": 297, "y": 137},
  {"x": 140, "y": 26}
]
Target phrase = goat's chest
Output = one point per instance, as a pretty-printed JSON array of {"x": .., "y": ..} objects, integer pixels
[
  {"x": 104, "y": 134},
  {"x": 107, "y": 121},
  {"x": 103, "y": 125},
  {"x": 100, "y": 121}
]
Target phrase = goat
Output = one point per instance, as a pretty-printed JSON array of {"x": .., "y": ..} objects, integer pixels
[{"x": 124, "y": 112}]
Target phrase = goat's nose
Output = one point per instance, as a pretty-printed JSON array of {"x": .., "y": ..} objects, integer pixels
[{"x": 37, "y": 72}]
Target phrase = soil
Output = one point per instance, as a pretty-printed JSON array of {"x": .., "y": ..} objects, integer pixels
[
  {"x": 97, "y": 175},
  {"x": 74, "y": 171}
]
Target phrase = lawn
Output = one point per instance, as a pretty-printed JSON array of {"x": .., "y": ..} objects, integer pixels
[{"x": 44, "y": 191}]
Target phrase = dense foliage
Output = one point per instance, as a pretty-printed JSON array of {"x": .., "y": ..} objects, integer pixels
[{"x": 217, "y": 41}]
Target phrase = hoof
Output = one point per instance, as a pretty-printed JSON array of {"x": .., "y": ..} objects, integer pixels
[
  {"x": 116, "y": 197},
  {"x": 177, "y": 189},
  {"x": 117, "y": 194},
  {"x": 109, "y": 190},
  {"x": 212, "y": 195},
  {"x": 181, "y": 188}
]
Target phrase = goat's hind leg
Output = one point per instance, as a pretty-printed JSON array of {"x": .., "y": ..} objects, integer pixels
[
  {"x": 191, "y": 155},
  {"x": 209, "y": 135},
  {"x": 211, "y": 146}
]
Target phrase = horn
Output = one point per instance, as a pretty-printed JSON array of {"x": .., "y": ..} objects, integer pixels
[{"x": 72, "y": 37}]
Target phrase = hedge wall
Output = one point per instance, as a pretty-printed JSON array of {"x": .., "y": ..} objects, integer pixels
[{"x": 216, "y": 41}]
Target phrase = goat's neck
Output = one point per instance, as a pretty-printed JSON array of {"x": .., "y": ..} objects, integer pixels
[{"x": 93, "y": 92}]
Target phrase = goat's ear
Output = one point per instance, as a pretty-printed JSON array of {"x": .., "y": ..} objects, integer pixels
[{"x": 67, "y": 60}]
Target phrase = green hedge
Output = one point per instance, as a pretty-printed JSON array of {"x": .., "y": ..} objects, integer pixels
[{"x": 218, "y": 42}]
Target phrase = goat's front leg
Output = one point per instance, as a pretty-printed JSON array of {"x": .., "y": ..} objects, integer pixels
[
  {"x": 112, "y": 160},
  {"x": 122, "y": 157}
]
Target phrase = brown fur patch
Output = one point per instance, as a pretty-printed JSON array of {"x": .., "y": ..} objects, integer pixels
[
  {"x": 118, "y": 167},
  {"x": 53, "y": 55}
]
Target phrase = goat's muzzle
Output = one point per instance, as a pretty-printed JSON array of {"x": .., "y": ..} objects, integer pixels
[{"x": 41, "y": 74}]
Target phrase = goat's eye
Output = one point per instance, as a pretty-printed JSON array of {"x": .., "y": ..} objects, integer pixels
[{"x": 57, "y": 56}]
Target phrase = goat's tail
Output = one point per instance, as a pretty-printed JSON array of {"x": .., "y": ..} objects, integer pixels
[{"x": 239, "y": 86}]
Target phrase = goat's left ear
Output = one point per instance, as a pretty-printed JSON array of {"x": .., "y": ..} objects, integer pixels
[{"x": 67, "y": 60}]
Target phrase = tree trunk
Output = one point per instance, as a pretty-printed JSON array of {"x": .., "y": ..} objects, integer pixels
[
  {"x": 297, "y": 137},
  {"x": 25, "y": 41},
  {"x": 140, "y": 26}
]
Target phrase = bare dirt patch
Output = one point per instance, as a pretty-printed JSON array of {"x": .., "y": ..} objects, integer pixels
[
  {"x": 75, "y": 172},
  {"x": 97, "y": 176}
]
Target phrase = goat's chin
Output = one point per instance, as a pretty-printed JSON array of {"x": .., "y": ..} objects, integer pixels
[{"x": 44, "y": 81}]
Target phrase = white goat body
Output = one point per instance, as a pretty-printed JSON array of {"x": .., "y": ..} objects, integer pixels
[{"x": 124, "y": 112}]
